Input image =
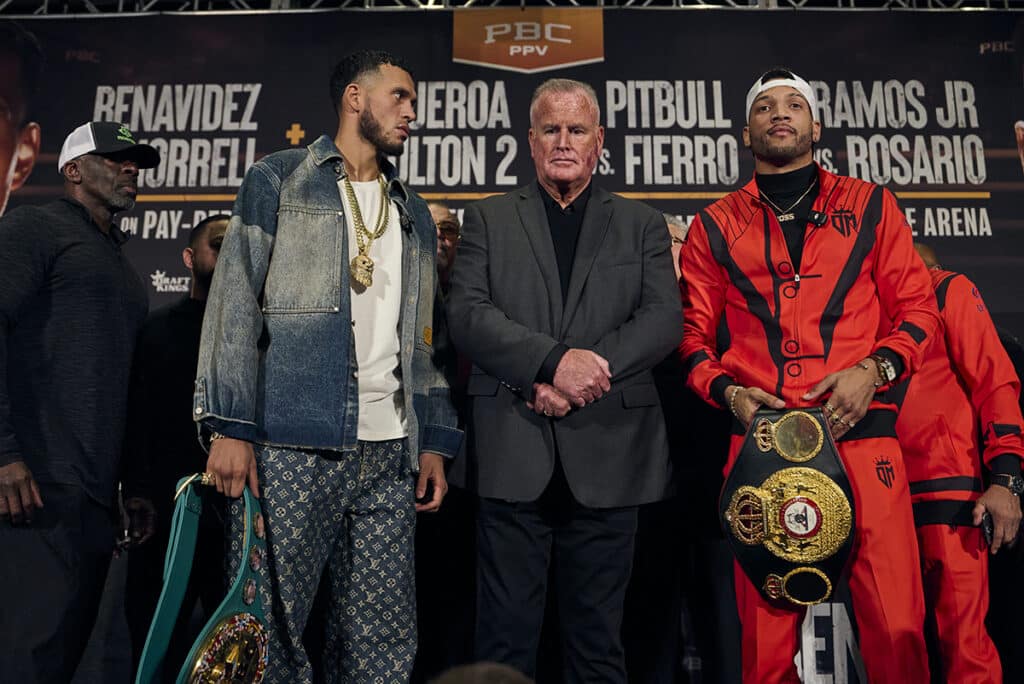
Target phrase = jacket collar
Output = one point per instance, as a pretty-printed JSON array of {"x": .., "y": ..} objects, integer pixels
[
  {"x": 323, "y": 150},
  {"x": 534, "y": 220}
]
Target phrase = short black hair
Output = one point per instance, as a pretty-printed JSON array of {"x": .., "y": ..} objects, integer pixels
[
  {"x": 775, "y": 73},
  {"x": 22, "y": 45},
  {"x": 200, "y": 228},
  {"x": 354, "y": 66}
]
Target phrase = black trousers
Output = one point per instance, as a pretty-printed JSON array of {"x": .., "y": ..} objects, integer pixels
[
  {"x": 590, "y": 552},
  {"x": 51, "y": 580},
  {"x": 445, "y": 585}
]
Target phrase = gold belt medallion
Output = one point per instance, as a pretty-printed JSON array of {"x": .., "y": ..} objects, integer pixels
[
  {"x": 798, "y": 514},
  {"x": 803, "y": 586},
  {"x": 796, "y": 436},
  {"x": 235, "y": 652}
]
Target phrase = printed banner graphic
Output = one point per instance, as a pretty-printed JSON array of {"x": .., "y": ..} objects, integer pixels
[{"x": 933, "y": 120}]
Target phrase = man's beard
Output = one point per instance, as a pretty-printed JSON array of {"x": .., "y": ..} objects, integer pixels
[
  {"x": 119, "y": 202},
  {"x": 781, "y": 154},
  {"x": 371, "y": 130}
]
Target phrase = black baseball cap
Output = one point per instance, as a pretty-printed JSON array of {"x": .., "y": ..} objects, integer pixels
[{"x": 106, "y": 138}]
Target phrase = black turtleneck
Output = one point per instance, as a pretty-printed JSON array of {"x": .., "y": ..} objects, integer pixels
[{"x": 784, "y": 189}]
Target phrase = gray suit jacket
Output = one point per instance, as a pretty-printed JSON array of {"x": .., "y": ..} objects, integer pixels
[{"x": 506, "y": 314}]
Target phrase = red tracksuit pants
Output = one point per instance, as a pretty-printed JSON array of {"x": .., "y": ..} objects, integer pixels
[
  {"x": 885, "y": 580},
  {"x": 954, "y": 563}
]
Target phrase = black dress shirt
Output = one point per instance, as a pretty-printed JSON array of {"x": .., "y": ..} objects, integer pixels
[
  {"x": 565, "y": 225},
  {"x": 70, "y": 307}
]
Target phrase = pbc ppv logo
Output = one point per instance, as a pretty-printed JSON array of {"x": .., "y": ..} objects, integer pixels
[
  {"x": 163, "y": 283},
  {"x": 530, "y": 40}
]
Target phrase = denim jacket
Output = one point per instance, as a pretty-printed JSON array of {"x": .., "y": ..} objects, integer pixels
[{"x": 277, "y": 362}]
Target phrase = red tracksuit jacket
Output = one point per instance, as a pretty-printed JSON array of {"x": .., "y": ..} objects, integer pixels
[
  {"x": 784, "y": 331},
  {"x": 966, "y": 384}
]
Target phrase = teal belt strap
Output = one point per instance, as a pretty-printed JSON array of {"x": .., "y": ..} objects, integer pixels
[{"x": 232, "y": 647}]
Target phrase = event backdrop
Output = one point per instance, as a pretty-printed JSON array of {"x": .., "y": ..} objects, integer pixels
[{"x": 922, "y": 102}]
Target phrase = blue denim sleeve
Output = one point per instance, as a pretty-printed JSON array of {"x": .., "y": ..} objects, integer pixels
[
  {"x": 432, "y": 398},
  {"x": 225, "y": 390}
]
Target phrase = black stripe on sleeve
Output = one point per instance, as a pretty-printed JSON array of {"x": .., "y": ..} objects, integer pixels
[
  {"x": 718, "y": 387},
  {"x": 942, "y": 290},
  {"x": 694, "y": 359},
  {"x": 957, "y": 513},
  {"x": 914, "y": 331},
  {"x": 959, "y": 483},
  {"x": 1003, "y": 429}
]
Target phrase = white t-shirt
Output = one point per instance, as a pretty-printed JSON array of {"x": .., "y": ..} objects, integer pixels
[{"x": 375, "y": 314}]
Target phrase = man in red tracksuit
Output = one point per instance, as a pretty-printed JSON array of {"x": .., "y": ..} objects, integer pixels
[
  {"x": 802, "y": 268},
  {"x": 965, "y": 381}
]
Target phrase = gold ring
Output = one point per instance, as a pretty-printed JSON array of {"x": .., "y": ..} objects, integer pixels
[
  {"x": 829, "y": 407},
  {"x": 835, "y": 417}
]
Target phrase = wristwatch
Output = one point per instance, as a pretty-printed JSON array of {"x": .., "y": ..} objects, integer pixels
[
  {"x": 886, "y": 369},
  {"x": 1015, "y": 483}
]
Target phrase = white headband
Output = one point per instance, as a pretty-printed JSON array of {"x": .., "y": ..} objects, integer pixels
[{"x": 797, "y": 83}]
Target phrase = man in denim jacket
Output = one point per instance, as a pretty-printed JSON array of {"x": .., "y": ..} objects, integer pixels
[{"x": 315, "y": 381}]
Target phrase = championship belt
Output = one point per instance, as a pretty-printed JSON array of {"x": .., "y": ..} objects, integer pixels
[
  {"x": 233, "y": 645},
  {"x": 787, "y": 507}
]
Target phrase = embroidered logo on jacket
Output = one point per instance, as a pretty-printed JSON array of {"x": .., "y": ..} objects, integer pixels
[
  {"x": 844, "y": 221},
  {"x": 885, "y": 472}
]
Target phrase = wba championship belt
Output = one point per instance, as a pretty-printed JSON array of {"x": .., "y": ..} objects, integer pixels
[
  {"x": 233, "y": 645},
  {"x": 787, "y": 507}
]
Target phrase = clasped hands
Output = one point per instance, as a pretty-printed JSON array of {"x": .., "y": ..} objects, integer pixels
[
  {"x": 581, "y": 378},
  {"x": 851, "y": 391}
]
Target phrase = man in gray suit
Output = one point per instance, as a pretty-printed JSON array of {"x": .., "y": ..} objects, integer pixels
[{"x": 564, "y": 298}]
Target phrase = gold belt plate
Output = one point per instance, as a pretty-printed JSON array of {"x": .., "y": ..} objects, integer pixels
[
  {"x": 235, "y": 651},
  {"x": 798, "y": 514},
  {"x": 796, "y": 436}
]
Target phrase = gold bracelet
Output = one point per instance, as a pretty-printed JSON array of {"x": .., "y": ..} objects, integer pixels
[
  {"x": 732, "y": 401},
  {"x": 214, "y": 436}
]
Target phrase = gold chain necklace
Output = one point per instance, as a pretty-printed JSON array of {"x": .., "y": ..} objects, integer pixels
[
  {"x": 362, "y": 264},
  {"x": 787, "y": 214}
]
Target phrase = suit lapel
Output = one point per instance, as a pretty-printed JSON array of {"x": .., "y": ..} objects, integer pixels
[
  {"x": 595, "y": 225},
  {"x": 535, "y": 224}
]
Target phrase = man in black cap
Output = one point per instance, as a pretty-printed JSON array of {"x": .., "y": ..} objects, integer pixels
[{"x": 70, "y": 309}]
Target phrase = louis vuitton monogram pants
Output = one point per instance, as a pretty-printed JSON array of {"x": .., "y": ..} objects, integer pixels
[{"x": 352, "y": 521}]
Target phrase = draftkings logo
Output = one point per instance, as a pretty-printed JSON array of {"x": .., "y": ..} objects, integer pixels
[
  {"x": 528, "y": 40},
  {"x": 885, "y": 472},
  {"x": 164, "y": 283}
]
